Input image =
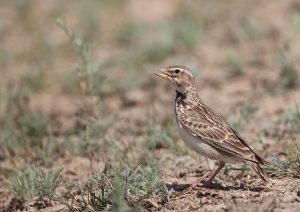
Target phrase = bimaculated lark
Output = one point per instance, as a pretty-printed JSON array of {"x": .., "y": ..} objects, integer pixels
[{"x": 206, "y": 132}]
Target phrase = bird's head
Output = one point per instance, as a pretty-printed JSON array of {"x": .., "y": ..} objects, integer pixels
[{"x": 180, "y": 76}]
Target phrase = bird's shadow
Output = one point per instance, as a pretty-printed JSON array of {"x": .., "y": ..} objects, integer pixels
[
  {"x": 177, "y": 187},
  {"x": 216, "y": 186}
]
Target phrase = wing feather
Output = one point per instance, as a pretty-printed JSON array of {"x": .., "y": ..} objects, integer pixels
[{"x": 203, "y": 123}]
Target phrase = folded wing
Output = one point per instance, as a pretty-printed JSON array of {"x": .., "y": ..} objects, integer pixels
[{"x": 203, "y": 123}]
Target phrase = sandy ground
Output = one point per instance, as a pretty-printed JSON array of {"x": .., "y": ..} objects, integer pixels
[{"x": 258, "y": 86}]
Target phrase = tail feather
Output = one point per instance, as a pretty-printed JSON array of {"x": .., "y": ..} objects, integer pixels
[{"x": 260, "y": 173}]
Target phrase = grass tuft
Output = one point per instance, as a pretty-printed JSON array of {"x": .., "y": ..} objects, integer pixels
[
  {"x": 286, "y": 168},
  {"x": 117, "y": 189},
  {"x": 118, "y": 201},
  {"x": 157, "y": 138},
  {"x": 25, "y": 134},
  {"x": 34, "y": 181},
  {"x": 46, "y": 183}
]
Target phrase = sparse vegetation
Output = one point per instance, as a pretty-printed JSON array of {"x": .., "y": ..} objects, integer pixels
[
  {"x": 117, "y": 189},
  {"x": 251, "y": 29},
  {"x": 25, "y": 133},
  {"x": 289, "y": 75},
  {"x": 185, "y": 31},
  {"x": 235, "y": 62},
  {"x": 241, "y": 116},
  {"x": 87, "y": 71},
  {"x": 286, "y": 168},
  {"x": 79, "y": 95},
  {"x": 290, "y": 120},
  {"x": 35, "y": 181}
]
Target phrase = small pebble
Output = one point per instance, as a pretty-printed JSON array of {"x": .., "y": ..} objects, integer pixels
[{"x": 204, "y": 200}]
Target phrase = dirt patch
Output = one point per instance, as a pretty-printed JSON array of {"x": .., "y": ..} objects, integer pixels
[
  {"x": 239, "y": 54},
  {"x": 15, "y": 204}
]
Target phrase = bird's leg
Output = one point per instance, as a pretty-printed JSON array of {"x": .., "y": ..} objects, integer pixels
[
  {"x": 197, "y": 182},
  {"x": 215, "y": 171}
]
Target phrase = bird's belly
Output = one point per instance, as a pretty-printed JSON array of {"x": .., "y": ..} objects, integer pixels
[{"x": 202, "y": 148}]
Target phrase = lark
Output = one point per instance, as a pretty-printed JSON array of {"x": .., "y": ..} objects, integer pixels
[{"x": 205, "y": 131}]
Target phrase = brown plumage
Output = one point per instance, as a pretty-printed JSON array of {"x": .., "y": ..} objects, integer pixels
[{"x": 205, "y": 131}]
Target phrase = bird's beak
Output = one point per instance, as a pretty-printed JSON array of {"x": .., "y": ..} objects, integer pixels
[{"x": 162, "y": 73}]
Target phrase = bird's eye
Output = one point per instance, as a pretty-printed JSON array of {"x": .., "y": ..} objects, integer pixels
[{"x": 177, "y": 71}]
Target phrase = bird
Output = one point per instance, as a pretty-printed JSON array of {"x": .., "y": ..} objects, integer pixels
[{"x": 205, "y": 131}]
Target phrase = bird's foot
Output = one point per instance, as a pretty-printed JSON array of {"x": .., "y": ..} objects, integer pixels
[
  {"x": 198, "y": 183},
  {"x": 193, "y": 187}
]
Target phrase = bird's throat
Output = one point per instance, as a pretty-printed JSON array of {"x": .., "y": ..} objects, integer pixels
[{"x": 180, "y": 95}]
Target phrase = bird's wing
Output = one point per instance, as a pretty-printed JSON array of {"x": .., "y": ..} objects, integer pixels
[{"x": 203, "y": 123}]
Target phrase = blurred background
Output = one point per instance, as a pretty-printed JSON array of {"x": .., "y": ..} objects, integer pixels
[{"x": 76, "y": 89}]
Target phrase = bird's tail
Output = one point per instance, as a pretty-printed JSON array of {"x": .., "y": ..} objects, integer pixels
[{"x": 260, "y": 173}]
